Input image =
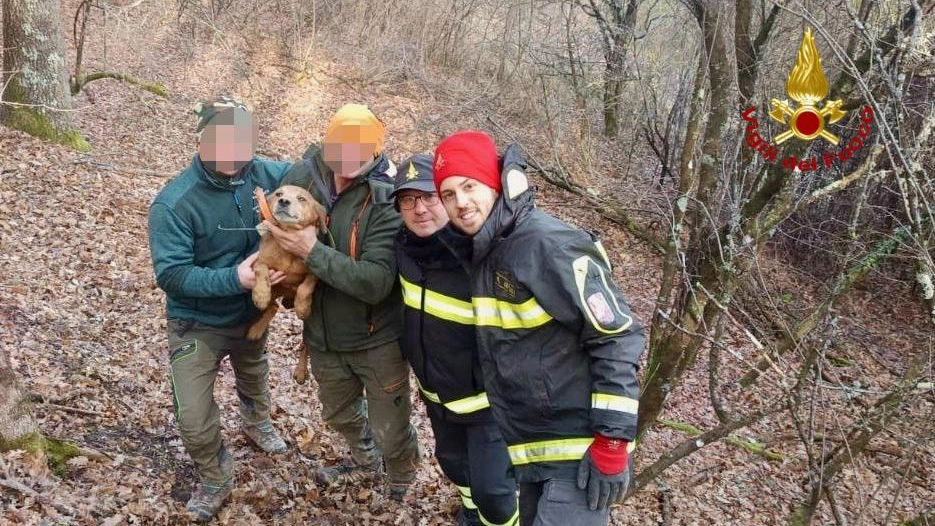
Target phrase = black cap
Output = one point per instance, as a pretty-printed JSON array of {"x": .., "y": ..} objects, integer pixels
[{"x": 415, "y": 173}]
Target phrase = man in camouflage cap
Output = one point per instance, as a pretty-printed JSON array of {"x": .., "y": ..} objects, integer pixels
[{"x": 203, "y": 245}]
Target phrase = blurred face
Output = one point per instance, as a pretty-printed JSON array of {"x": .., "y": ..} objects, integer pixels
[
  {"x": 467, "y": 202},
  {"x": 227, "y": 148},
  {"x": 347, "y": 158},
  {"x": 422, "y": 212}
]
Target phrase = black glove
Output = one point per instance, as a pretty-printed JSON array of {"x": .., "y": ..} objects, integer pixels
[{"x": 603, "y": 489}]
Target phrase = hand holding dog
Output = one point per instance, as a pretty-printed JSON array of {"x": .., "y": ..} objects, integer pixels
[
  {"x": 247, "y": 277},
  {"x": 298, "y": 242}
]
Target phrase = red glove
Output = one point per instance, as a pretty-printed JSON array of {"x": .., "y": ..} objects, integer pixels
[{"x": 609, "y": 455}]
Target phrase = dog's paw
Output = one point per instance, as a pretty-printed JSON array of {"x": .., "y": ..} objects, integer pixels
[
  {"x": 299, "y": 376},
  {"x": 255, "y": 332},
  {"x": 303, "y": 309},
  {"x": 261, "y": 298},
  {"x": 262, "y": 230}
]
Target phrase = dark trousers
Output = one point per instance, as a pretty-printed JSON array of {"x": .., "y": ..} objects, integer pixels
[
  {"x": 557, "y": 502},
  {"x": 475, "y": 458}
]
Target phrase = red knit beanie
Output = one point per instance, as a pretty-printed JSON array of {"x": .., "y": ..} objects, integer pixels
[{"x": 471, "y": 154}]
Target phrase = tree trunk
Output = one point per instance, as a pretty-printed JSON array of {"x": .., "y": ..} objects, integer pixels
[
  {"x": 612, "y": 89},
  {"x": 690, "y": 319},
  {"x": 16, "y": 422},
  {"x": 36, "y": 98}
]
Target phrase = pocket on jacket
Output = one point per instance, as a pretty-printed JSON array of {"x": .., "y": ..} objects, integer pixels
[{"x": 522, "y": 382}]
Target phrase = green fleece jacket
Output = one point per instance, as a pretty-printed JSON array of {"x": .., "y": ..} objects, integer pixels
[
  {"x": 357, "y": 304},
  {"x": 194, "y": 255}
]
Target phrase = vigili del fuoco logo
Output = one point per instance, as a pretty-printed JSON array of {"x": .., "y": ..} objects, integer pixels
[{"x": 809, "y": 120}]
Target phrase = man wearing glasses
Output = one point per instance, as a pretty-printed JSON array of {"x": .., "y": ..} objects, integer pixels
[{"x": 439, "y": 341}]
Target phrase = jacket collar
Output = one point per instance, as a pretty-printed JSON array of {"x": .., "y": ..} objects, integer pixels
[
  {"x": 323, "y": 177},
  {"x": 515, "y": 201},
  {"x": 219, "y": 182}
]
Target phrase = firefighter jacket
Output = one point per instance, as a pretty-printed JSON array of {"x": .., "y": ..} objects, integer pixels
[
  {"x": 438, "y": 328},
  {"x": 557, "y": 342}
]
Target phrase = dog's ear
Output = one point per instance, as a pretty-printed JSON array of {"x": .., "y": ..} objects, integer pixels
[{"x": 321, "y": 219}]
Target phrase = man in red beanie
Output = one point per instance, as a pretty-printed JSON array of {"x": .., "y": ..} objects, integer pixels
[{"x": 558, "y": 345}]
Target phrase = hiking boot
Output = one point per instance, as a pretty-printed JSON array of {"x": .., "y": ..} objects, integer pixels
[
  {"x": 398, "y": 490},
  {"x": 208, "y": 499},
  {"x": 264, "y": 435},
  {"x": 468, "y": 517},
  {"x": 348, "y": 472}
]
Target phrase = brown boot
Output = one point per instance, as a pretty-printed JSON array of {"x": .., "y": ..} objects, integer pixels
[
  {"x": 348, "y": 472},
  {"x": 207, "y": 499},
  {"x": 264, "y": 435}
]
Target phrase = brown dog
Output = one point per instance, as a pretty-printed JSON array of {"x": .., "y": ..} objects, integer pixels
[{"x": 292, "y": 208}]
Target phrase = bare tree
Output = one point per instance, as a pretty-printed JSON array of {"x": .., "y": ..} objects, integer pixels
[
  {"x": 616, "y": 20},
  {"x": 36, "y": 97}
]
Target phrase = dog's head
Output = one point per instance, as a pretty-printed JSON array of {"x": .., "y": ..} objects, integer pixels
[{"x": 294, "y": 207}]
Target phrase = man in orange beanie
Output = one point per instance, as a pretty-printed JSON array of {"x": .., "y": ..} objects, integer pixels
[
  {"x": 558, "y": 345},
  {"x": 352, "y": 336}
]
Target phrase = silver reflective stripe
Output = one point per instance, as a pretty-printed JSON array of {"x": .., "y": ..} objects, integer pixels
[
  {"x": 462, "y": 406},
  {"x": 499, "y": 313},
  {"x": 549, "y": 450},
  {"x": 614, "y": 403},
  {"x": 438, "y": 305}
]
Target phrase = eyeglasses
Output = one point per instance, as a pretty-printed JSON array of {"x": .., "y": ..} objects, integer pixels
[{"x": 408, "y": 202}]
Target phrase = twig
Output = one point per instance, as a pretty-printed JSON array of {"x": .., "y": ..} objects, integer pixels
[
  {"x": 665, "y": 504},
  {"x": 751, "y": 446},
  {"x": 70, "y": 409},
  {"x": 835, "y": 509},
  {"x": 29, "y": 492},
  {"x": 152, "y": 87},
  {"x": 111, "y": 167}
]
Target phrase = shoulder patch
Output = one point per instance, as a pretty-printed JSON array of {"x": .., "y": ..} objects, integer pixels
[{"x": 597, "y": 299}]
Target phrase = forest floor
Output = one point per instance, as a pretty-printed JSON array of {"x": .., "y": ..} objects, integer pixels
[{"x": 83, "y": 320}]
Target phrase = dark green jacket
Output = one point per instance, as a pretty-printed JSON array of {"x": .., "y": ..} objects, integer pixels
[
  {"x": 194, "y": 258},
  {"x": 357, "y": 304}
]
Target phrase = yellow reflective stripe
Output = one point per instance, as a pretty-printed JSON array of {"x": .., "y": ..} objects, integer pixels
[
  {"x": 614, "y": 403},
  {"x": 600, "y": 248},
  {"x": 499, "y": 313},
  {"x": 512, "y": 521},
  {"x": 438, "y": 305},
  {"x": 463, "y": 406},
  {"x": 553, "y": 450},
  {"x": 428, "y": 394},
  {"x": 469, "y": 404},
  {"x": 549, "y": 450},
  {"x": 466, "y": 499},
  {"x": 580, "y": 267}
]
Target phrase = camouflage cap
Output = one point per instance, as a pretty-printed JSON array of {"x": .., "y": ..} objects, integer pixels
[{"x": 208, "y": 111}]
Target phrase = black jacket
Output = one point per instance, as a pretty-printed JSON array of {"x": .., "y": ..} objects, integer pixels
[
  {"x": 438, "y": 328},
  {"x": 558, "y": 344}
]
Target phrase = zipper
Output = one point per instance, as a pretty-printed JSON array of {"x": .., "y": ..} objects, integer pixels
[
  {"x": 248, "y": 301},
  {"x": 425, "y": 367}
]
